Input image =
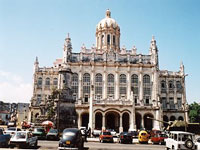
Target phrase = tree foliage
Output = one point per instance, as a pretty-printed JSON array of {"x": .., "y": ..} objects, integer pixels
[{"x": 194, "y": 112}]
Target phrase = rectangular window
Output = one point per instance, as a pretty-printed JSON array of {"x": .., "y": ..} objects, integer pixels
[
  {"x": 179, "y": 101},
  {"x": 164, "y": 102},
  {"x": 171, "y": 103}
]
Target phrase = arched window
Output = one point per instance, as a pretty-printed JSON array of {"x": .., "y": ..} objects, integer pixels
[
  {"x": 111, "y": 82},
  {"x": 47, "y": 81},
  {"x": 75, "y": 85},
  {"x": 146, "y": 79},
  {"x": 122, "y": 84},
  {"x": 147, "y": 89},
  {"x": 98, "y": 86},
  {"x": 39, "y": 83},
  {"x": 55, "y": 81},
  {"x": 134, "y": 84},
  {"x": 113, "y": 39},
  {"x": 108, "y": 39},
  {"x": 102, "y": 40},
  {"x": 86, "y": 86}
]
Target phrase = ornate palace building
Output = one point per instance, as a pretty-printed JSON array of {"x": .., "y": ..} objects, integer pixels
[{"x": 114, "y": 88}]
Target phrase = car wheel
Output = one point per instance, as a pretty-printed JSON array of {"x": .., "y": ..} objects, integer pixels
[{"x": 189, "y": 144}]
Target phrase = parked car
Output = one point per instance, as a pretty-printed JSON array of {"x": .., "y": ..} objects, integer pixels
[
  {"x": 105, "y": 136},
  {"x": 23, "y": 139},
  {"x": 125, "y": 137},
  {"x": 113, "y": 132},
  {"x": 71, "y": 139},
  {"x": 96, "y": 133},
  {"x": 143, "y": 137},
  {"x": 158, "y": 138},
  {"x": 11, "y": 130},
  {"x": 134, "y": 134},
  {"x": 52, "y": 134},
  {"x": 39, "y": 133},
  {"x": 11, "y": 124},
  {"x": 4, "y": 138},
  {"x": 181, "y": 140}
]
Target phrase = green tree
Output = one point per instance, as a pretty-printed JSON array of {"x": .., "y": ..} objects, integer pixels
[{"x": 194, "y": 112}]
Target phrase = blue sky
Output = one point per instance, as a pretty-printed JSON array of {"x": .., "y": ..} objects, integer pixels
[{"x": 30, "y": 28}]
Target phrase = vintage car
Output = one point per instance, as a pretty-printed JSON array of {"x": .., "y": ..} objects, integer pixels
[
  {"x": 159, "y": 138},
  {"x": 11, "y": 130},
  {"x": 179, "y": 140},
  {"x": 143, "y": 137},
  {"x": 39, "y": 133},
  {"x": 11, "y": 124},
  {"x": 52, "y": 134},
  {"x": 105, "y": 136},
  {"x": 71, "y": 139},
  {"x": 125, "y": 137},
  {"x": 4, "y": 138},
  {"x": 23, "y": 139}
]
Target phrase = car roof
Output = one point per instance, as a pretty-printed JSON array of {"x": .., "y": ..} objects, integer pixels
[
  {"x": 70, "y": 130},
  {"x": 180, "y": 132}
]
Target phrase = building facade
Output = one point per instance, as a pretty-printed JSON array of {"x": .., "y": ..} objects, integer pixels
[{"x": 114, "y": 88}]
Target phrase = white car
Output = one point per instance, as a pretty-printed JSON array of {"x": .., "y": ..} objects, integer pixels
[
  {"x": 179, "y": 140},
  {"x": 23, "y": 139},
  {"x": 198, "y": 143},
  {"x": 11, "y": 130}
]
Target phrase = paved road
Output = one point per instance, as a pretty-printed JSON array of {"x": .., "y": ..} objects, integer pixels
[{"x": 53, "y": 145}]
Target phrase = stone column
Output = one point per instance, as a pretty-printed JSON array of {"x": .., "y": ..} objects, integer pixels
[
  {"x": 103, "y": 122},
  {"x": 116, "y": 83},
  {"x": 155, "y": 91},
  {"x": 80, "y": 87},
  {"x": 121, "y": 126},
  {"x": 128, "y": 84},
  {"x": 142, "y": 121},
  {"x": 175, "y": 96},
  {"x": 79, "y": 120},
  {"x": 132, "y": 117},
  {"x": 91, "y": 100},
  {"x": 156, "y": 124},
  {"x": 141, "y": 87},
  {"x": 104, "y": 83}
]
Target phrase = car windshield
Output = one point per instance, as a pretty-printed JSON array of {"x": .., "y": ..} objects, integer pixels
[
  {"x": 163, "y": 135},
  {"x": 38, "y": 130},
  {"x": 20, "y": 135},
  {"x": 67, "y": 134},
  {"x": 53, "y": 131},
  {"x": 106, "y": 133},
  {"x": 11, "y": 129},
  {"x": 143, "y": 134}
]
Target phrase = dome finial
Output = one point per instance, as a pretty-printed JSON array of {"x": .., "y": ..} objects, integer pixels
[{"x": 108, "y": 13}]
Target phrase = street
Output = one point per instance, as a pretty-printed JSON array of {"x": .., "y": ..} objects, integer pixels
[{"x": 53, "y": 145}]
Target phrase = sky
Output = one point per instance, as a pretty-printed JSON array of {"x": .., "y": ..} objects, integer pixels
[{"x": 30, "y": 28}]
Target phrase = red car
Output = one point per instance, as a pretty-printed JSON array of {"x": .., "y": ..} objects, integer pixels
[
  {"x": 105, "y": 136},
  {"x": 158, "y": 138}
]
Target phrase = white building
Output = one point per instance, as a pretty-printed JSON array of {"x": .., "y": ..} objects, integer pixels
[{"x": 114, "y": 87}]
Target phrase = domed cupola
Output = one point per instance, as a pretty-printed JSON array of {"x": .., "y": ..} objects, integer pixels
[{"x": 108, "y": 34}]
